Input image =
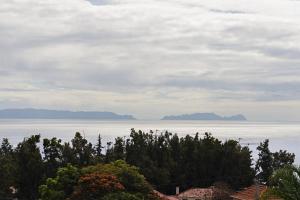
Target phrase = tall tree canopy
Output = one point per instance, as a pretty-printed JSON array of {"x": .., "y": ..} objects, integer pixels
[
  {"x": 164, "y": 160},
  {"x": 268, "y": 162},
  {"x": 168, "y": 161},
  {"x": 29, "y": 168},
  {"x": 7, "y": 169},
  {"x": 101, "y": 181}
]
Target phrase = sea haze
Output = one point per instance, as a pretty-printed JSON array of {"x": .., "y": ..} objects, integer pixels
[{"x": 282, "y": 135}]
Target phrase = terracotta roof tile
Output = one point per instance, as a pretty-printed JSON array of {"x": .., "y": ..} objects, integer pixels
[
  {"x": 197, "y": 192},
  {"x": 249, "y": 193}
]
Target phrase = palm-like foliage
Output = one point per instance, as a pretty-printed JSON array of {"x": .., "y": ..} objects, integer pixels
[{"x": 285, "y": 183}]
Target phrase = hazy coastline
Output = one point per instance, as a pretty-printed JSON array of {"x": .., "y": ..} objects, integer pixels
[{"x": 282, "y": 135}]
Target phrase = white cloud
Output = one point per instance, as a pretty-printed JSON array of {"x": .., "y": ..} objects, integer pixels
[{"x": 150, "y": 57}]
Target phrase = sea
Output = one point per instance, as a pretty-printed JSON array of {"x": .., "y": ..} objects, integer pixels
[{"x": 282, "y": 135}]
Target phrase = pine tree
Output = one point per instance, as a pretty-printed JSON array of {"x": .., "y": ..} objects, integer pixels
[
  {"x": 264, "y": 162},
  {"x": 29, "y": 168},
  {"x": 98, "y": 149}
]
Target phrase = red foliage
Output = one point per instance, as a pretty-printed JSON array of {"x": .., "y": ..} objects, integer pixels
[{"x": 96, "y": 185}]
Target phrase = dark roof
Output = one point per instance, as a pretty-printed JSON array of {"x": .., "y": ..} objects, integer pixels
[{"x": 163, "y": 196}]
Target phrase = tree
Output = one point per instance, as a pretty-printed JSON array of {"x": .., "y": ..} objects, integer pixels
[
  {"x": 95, "y": 186},
  {"x": 128, "y": 176},
  {"x": 175, "y": 154},
  {"x": 98, "y": 149},
  {"x": 285, "y": 183},
  {"x": 52, "y": 156},
  {"x": 62, "y": 186},
  {"x": 268, "y": 162},
  {"x": 51, "y": 190},
  {"x": 6, "y": 147},
  {"x": 109, "y": 156},
  {"x": 163, "y": 159},
  {"x": 282, "y": 158},
  {"x": 97, "y": 181},
  {"x": 68, "y": 155},
  {"x": 119, "y": 149},
  {"x": 150, "y": 153},
  {"x": 116, "y": 151},
  {"x": 168, "y": 161},
  {"x": 30, "y": 170},
  {"x": 83, "y": 150},
  {"x": 264, "y": 162},
  {"x": 236, "y": 164},
  {"x": 7, "y": 169}
]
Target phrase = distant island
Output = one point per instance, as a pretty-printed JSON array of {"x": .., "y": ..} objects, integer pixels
[
  {"x": 205, "y": 116},
  {"x": 57, "y": 114}
]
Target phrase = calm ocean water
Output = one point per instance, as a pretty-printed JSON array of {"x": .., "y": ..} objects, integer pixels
[{"x": 282, "y": 135}]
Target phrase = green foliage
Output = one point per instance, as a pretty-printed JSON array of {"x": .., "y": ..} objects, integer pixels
[
  {"x": 236, "y": 161},
  {"x": 167, "y": 161},
  {"x": 7, "y": 169},
  {"x": 164, "y": 159},
  {"x": 264, "y": 162},
  {"x": 98, "y": 149},
  {"x": 282, "y": 158},
  {"x": 129, "y": 176},
  {"x": 79, "y": 153},
  {"x": 68, "y": 155},
  {"x": 52, "y": 156},
  {"x": 51, "y": 191},
  {"x": 83, "y": 151},
  {"x": 30, "y": 170},
  {"x": 119, "y": 149},
  {"x": 268, "y": 162},
  {"x": 95, "y": 182},
  {"x": 67, "y": 177},
  {"x": 62, "y": 185},
  {"x": 285, "y": 183}
]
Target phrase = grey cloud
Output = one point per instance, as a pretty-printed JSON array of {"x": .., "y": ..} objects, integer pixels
[
  {"x": 282, "y": 52},
  {"x": 98, "y": 2},
  {"x": 159, "y": 52},
  {"x": 262, "y": 90},
  {"x": 228, "y": 11}
]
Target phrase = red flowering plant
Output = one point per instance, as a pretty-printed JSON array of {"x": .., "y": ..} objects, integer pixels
[{"x": 96, "y": 185}]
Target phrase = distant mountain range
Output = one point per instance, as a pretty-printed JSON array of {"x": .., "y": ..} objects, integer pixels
[
  {"x": 56, "y": 114},
  {"x": 205, "y": 116},
  {"x": 31, "y": 113}
]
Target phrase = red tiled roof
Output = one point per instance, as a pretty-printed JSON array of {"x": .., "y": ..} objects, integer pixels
[
  {"x": 197, "y": 192},
  {"x": 172, "y": 198},
  {"x": 249, "y": 193}
]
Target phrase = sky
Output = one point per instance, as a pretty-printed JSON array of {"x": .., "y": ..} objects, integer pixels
[{"x": 151, "y": 58}]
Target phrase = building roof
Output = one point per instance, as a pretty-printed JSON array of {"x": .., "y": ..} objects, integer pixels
[
  {"x": 250, "y": 192},
  {"x": 203, "y": 193},
  {"x": 197, "y": 192},
  {"x": 164, "y": 197}
]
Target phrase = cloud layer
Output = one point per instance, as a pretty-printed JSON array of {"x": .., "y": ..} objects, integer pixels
[{"x": 151, "y": 58}]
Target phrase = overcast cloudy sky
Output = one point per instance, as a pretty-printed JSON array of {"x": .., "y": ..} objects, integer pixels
[{"x": 152, "y": 58}]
